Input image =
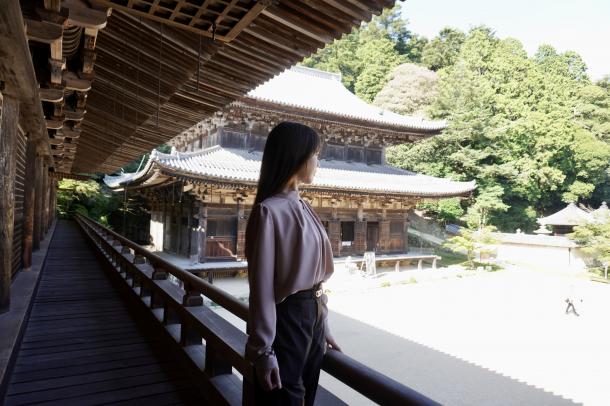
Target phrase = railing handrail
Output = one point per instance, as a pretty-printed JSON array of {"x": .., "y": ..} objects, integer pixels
[
  {"x": 239, "y": 309},
  {"x": 363, "y": 379}
]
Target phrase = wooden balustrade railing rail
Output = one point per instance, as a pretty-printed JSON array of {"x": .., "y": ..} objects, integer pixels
[{"x": 213, "y": 344}]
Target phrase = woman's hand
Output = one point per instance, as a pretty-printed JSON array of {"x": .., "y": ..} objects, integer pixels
[
  {"x": 331, "y": 343},
  {"x": 269, "y": 378}
]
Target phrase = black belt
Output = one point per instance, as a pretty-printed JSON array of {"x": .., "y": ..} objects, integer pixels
[{"x": 312, "y": 293}]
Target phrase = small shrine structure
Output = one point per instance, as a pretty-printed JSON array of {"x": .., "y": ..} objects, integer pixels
[{"x": 564, "y": 220}]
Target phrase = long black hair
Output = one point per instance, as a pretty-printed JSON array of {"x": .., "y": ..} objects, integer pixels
[{"x": 287, "y": 148}]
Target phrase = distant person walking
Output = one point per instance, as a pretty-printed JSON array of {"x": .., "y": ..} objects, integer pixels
[{"x": 570, "y": 308}]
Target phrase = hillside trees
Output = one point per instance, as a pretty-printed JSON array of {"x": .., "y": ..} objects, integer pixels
[{"x": 530, "y": 131}]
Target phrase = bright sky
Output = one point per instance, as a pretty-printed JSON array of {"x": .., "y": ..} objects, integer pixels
[{"x": 579, "y": 25}]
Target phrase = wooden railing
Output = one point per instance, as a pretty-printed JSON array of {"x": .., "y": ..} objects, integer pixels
[{"x": 213, "y": 344}]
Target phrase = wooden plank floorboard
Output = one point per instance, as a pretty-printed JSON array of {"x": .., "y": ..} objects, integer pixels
[
  {"x": 82, "y": 347},
  {"x": 83, "y": 334},
  {"x": 86, "y": 378},
  {"x": 97, "y": 338},
  {"x": 84, "y": 368}
]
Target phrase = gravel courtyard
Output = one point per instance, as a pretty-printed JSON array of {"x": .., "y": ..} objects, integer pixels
[
  {"x": 474, "y": 338},
  {"x": 510, "y": 322}
]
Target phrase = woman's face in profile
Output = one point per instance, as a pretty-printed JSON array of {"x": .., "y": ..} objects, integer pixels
[{"x": 308, "y": 170}]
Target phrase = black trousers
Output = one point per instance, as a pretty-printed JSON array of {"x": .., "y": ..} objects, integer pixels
[{"x": 299, "y": 346}]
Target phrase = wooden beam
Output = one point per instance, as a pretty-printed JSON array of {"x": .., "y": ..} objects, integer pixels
[
  {"x": 43, "y": 31},
  {"x": 51, "y": 95},
  {"x": 29, "y": 203},
  {"x": 81, "y": 15},
  {"x": 362, "y": 15},
  {"x": 54, "y": 124},
  {"x": 245, "y": 21},
  {"x": 159, "y": 19},
  {"x": 73, "y": 82},
  {"x": 77, "y": 115},
  {"x": 52, "y": 5},
  {"x": 8, "y": 167},
  {"x": 298, "y": 23}
]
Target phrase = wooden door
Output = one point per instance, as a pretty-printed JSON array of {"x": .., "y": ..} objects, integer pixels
[{"x": 372, "y": 236}]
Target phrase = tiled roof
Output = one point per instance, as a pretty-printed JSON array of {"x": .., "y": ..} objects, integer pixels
[
  {"x": 570, "y": 215},
  {"x": 321, "y": 91},
  {"x": 227, "y": 164}
]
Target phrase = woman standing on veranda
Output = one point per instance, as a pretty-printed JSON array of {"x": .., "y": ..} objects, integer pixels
[{"x": 289, "y": 256}]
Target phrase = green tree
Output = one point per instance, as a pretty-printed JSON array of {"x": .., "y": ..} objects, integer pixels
[
  {"x": 391, "y": 23},
  {"x": 87, "y": 198},
  {"x": 443, "y": 50},
  {"x": 377, "y": 58},
  {"x": 472, "y": 242},
  {"x": 450, "y": 210},
  {"x": 487, "y": 202},
  {"x": 415, "y": 48},
  {"x": 594, "y": 236}
]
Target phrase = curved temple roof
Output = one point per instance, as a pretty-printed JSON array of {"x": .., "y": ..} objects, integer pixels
[
  {"x": 241, "y": 166},
  {"x": 321, "y": 91},
  {"x": 570, "y": 215}
]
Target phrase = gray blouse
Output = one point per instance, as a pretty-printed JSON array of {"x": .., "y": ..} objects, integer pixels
[{"x": 287, "y": 251}]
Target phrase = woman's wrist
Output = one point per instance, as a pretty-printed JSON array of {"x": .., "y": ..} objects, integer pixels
[{"x": 266, "y": 361}]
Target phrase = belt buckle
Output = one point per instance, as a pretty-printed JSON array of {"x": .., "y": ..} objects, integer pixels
[{"x": 318, "y": 293}]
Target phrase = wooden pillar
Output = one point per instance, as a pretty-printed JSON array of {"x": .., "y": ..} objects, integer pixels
[
  {"x": 38, "y": 204},
  {"x": 360, "y": 232},
  {"x": 194, "y": 232},
  {"x": 29, "y": 203},
  {"x": 384, "y": 232},
  {"x": 240, "y": 249},
  {"x": 405, "y": 232},
  {"x": 45, "y": 199},
  {"x": 8, "y": 167},
  {"x": 202, "y": 234},
  {"x": 54, "y": 200},
  {"x": 334, "y": 233}
]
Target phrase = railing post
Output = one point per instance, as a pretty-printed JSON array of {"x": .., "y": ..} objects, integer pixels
[
  {"x": 159, "y": 274},
  {"x": 138, "y": 259},
  {"x": 113, "y": 255},
  {"x": 188, "y": 335},
  {"x": 247, "y": 393},
  {"x": 214, "y": 363}
]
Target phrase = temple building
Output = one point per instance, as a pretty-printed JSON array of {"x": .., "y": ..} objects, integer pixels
[
  {"x": 564, "y": 221},
  {"x": 200, "y": 194}
]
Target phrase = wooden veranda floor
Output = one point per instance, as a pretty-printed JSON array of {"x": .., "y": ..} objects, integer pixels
[{"x": 82, "y": 347}]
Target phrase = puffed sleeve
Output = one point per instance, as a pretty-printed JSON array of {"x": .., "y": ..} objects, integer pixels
[{"x": 260, "y": 252}]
